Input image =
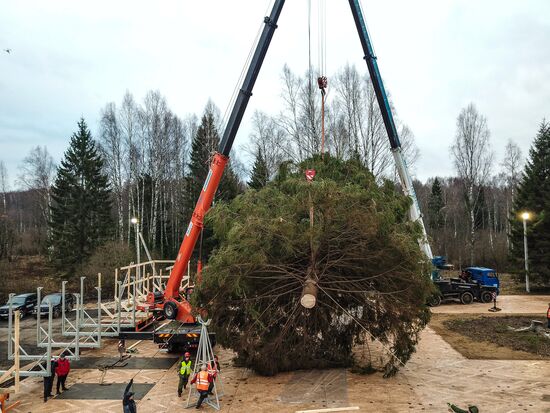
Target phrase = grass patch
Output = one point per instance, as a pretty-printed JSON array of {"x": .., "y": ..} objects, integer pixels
[
  {"x": 510, "y": 285},
  {"x": 494, "y": 330}
]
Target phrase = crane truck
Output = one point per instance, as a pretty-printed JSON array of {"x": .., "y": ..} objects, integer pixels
[{"x": 172, "y": 303}]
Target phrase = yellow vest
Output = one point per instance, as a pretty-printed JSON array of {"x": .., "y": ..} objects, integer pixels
[{"x": 185, "y": 369}]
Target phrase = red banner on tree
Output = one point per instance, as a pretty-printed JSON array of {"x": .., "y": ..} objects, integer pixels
[{"x": 310, "y": 174}]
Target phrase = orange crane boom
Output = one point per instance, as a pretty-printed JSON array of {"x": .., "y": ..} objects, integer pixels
[{"x": 171, "y": 302}]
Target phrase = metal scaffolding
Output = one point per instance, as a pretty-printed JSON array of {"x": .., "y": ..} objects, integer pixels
[{"x": 81, "y": 328}]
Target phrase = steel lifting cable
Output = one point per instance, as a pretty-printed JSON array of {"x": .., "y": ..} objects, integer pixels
[
  {"x": 244, "y": 67},
  {"x": 322, "y": 80},
  {"x": 322, "y": 37},
  {"x": 388, "y": 349},
  {"x": 310, "y": 69}
]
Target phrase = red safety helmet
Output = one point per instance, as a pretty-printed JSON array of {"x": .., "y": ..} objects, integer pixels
[{"x": 187, "y": 354}]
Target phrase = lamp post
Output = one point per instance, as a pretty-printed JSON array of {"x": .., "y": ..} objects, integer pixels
[
  {"x": 525, "y": 217},
  {"x": 135, "y": 223}
]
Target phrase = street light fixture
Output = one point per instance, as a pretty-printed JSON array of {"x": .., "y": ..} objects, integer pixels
[
  {"x": 525, "y": 217},
  {"x": 135, "y": 222}
]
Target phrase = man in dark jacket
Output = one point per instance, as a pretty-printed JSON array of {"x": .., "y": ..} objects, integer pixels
[
  {"x": 128, "y": 402},
  {"x": 48, "y": 380},
  {"x": 62, "y": 370},
  {"x": 214, "y": 373}
]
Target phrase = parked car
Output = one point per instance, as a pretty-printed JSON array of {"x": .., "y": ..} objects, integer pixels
[
  {"x": 55, "y": 299},
  {"x": 25, "y": 303}
]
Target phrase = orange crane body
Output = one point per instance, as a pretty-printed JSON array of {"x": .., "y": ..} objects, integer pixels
[
  {"x": 171, "y": 301},
  {"x": 172, "y": 292}
]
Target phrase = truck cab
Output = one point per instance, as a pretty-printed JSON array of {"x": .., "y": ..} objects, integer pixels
[{"x": 483, "y": 276}]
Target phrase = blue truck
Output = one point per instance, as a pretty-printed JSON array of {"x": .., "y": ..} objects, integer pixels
[
  {"x": 473, "y": 284},
  {"x": 481, "y": 275}
]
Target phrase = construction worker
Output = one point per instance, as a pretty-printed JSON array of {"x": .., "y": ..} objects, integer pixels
[
  {"x": 4, "y": 397},
  {"x": 203, "y": 380},
  {"x": 184, "y": 372},
  {"x": 48, "y": 380},
  {"x": 62, "y": 370},
  {"x": 213, "y": 371},
  {"x": 128, "y": 402},
  {"x": 548, "y": 315},
  {"x": 121, "y": 349}
]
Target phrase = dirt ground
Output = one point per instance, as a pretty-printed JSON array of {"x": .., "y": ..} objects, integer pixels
[
  {"x": 500, "y": 331},
  {"x": 435, "y": 375},
  {"x": 477, "y": 348}
]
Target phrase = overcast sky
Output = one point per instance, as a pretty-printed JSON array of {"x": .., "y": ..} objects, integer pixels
[{"x": 69, "y": 58}]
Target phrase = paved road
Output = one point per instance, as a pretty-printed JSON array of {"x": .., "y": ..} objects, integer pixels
[
  {"x": 435, "y": 375},
  {"x": 510, "y": 304}
]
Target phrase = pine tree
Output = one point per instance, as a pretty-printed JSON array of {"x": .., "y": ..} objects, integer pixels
[
  {"x": 435, "y": 205},
  {"x": 260, "y": 174},
  {"x": 205, "y": 144},
  {"x": 81, "y": 208},
  {"x": 203, "y": 147},
  {"x": 533, "y": 195}
]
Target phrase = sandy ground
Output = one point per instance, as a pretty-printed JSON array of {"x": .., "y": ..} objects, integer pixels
[
  {"x": 509, "y": 304},
  {"x": 435, "y": 375}
]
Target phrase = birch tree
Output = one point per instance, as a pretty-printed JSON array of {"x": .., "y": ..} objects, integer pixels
[
  {"x": 128, "y": 125},
  {"x": 473, "y": 159},
  {"x": 37, "y": 173},
  {"x": 7, "y": 235},
  {"x": 511, "y": 168},
  {"x": 268, "y": 138},
  {"x": 3, "y": 186},
  {"x": 113, "y": 150}
]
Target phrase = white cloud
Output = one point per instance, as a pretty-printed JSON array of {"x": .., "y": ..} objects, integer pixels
[{"x": 70, "y": 58}]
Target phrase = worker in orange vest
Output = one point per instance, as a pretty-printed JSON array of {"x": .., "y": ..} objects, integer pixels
[
  {"x": 203, "y": 380},
  {"x": 548, "y": 315}
]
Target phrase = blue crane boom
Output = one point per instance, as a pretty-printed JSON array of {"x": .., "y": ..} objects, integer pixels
[{"x": 395, "y": 144}]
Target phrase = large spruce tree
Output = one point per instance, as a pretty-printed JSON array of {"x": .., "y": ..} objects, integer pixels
[
  {"x": 360, "y": 250},
  {"x": 81, "y": 208},
  {"x": 533, "y": 196}
]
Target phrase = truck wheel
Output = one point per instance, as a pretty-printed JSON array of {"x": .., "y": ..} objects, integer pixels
[
  {"x": 486, "y": 297},
  {"x": 434, "y": 301},
  {"x": 467, "y": 298},
  {"x": 170, "y": 310}
]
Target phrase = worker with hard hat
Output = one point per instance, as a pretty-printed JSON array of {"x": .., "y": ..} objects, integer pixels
[
  {"x": 184, "y": 372},
  {"x": 203, "y": 380}
]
